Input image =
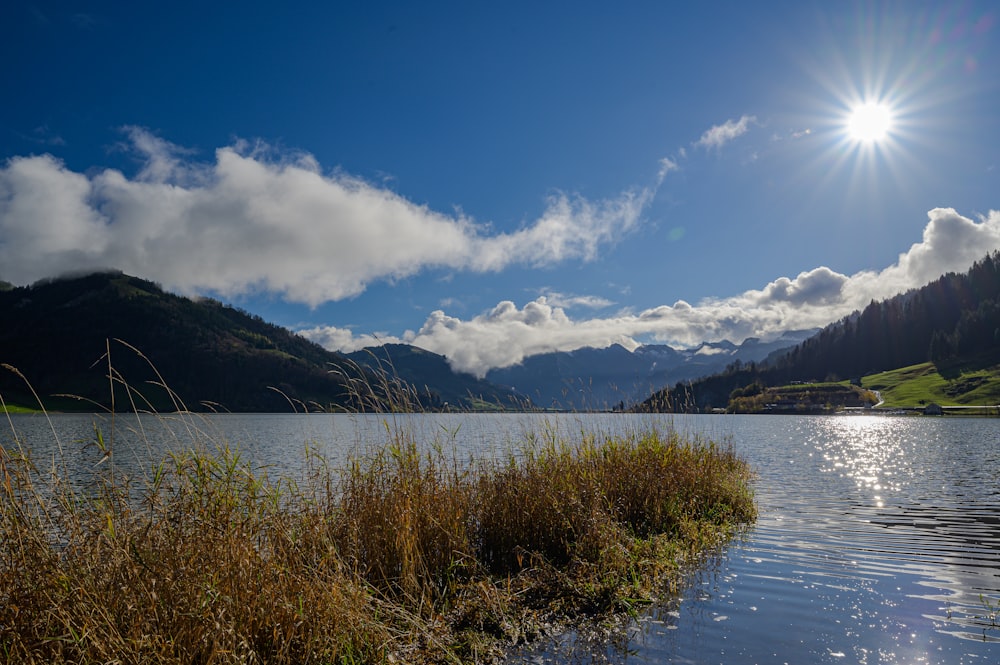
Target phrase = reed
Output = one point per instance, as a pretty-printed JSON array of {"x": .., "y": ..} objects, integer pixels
[{"x": 408, "y": 553}]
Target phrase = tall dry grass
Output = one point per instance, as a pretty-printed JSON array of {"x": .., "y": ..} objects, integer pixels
[{"x": 406, "y": 553}]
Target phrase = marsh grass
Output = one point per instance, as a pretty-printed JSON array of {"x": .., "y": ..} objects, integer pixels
[{"x": 408, "y": 552}]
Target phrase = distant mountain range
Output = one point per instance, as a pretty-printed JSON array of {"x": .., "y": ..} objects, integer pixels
[{"x": 614, "y": 377}]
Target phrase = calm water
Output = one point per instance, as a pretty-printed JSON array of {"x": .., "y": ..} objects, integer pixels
[{"x": 878, "y": 539}]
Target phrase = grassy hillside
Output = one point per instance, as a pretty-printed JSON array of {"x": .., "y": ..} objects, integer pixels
[
  {"x": 800, "y": 398},
  {"x": 967, "y": 382}
]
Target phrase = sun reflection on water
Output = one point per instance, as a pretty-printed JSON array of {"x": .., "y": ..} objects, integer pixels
[
  {"x": 928, "y": 489},
  {"x": 878, "y": 542},
  {"x": 872, "y": 452}
]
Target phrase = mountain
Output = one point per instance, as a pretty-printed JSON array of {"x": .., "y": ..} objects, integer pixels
[
  {"x": 615, "y": 377},
  {"x": 432, "y": 380},
  {"x": 60, "y": 333},
  {"x": 950, "y": 320}
]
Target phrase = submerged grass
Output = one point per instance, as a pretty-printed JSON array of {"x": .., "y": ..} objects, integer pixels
[{"x": 406, "y": 554}]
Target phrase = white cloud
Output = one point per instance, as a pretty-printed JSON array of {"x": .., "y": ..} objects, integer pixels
[
  {"x": 667, "y": 165},
  {"x": 506, "y": 335},
  {"x": 719, "y": 135},
  {"x": 569, "y": 228},
  {"x": 709, "y": 351},
  {"x": 344, "y": 340},
  {"x": 569, "y": 301},
  {"x": 818, "y": 286},
  {"x": 256, "y": 220},
  {"x": 951, "y": 242}
]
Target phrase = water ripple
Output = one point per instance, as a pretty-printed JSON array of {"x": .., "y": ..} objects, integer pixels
[{"x": 878, "y": 542}]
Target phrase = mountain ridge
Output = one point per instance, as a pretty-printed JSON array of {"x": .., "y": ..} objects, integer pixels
[
  {"x": 107, "y": 339},
  {"x": 614, "y": 377},
  {"x": 421, "y": 368}
]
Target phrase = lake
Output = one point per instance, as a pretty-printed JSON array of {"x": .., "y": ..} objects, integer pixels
[{"x": 878, "y": 539}]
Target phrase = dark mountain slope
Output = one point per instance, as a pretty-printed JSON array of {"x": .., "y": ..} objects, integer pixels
[
  {"x": 57, "y": 333},
  {"x": 433, "y": 381}
]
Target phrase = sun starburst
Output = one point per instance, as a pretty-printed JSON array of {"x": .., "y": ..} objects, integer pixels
[{"x": 869, "y": 122}]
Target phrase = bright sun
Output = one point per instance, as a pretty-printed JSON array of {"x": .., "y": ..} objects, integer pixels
[{"x": 869, "y": 122}]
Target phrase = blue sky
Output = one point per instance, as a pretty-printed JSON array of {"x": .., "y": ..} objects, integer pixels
[{"x": 494, "y": 180}]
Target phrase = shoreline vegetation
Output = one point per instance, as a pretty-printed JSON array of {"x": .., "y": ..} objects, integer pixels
[{"x": 406, "y": 553}]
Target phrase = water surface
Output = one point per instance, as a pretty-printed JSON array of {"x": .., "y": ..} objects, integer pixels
[{"x": 878, "y": 539}]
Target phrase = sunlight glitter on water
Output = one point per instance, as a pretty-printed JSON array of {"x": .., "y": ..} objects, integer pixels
[{"x": 878, "y": 542}]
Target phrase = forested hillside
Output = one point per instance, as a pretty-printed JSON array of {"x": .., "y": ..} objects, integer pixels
[
  {"x": 957, "y": 315},
  {"x": 952, "y": 316},
  {"x": 57, "y": 334},
  {"x": 432, "y": 381}
]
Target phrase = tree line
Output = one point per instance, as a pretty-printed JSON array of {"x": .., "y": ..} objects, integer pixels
[{"x": 62, "y": 336}]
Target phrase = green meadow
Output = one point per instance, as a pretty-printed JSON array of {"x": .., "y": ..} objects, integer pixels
[{"x": 971, "y": 382}]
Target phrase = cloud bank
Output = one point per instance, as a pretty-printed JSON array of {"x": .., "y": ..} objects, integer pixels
[
  {"x": 506, "y": 334},
  {"x": 255, "y": 221}
]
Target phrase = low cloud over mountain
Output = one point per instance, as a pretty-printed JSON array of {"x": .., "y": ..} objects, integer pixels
[{"x": 507, "y": 334}]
